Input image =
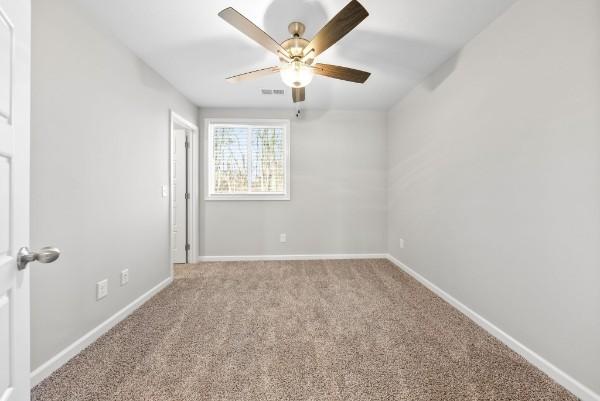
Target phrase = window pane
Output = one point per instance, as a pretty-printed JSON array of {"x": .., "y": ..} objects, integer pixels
[
  {"x": 230, "y": 153},
  {"x": 268, "y": 160}
]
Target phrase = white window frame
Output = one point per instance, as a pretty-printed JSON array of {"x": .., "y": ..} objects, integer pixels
[{"x": 209, "y": 195}]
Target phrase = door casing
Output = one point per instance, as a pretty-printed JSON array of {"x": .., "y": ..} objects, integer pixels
[{"x": 179, "y": 122}]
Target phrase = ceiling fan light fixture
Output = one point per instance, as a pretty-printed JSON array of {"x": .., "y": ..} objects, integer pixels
[
  {"x": 297, "y": 55},
  {"x": 296, "y": 74}
]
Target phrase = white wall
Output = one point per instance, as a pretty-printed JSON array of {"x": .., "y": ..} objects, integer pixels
[
  {"x": 494, "y": 180},
  {"x": 338, "y": 191},
  {"x": 99, "y": 148}
]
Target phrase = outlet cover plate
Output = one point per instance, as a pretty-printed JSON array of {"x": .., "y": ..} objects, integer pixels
[
  {"x": 124, "y": 277},
  {"x": 101, "y": 289}
]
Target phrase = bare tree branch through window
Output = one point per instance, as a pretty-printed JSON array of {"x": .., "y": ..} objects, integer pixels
[{"x": 248, "y": 159}]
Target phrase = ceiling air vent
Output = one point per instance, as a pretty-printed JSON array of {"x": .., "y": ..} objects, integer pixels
[{"x": 272, "y": 91}]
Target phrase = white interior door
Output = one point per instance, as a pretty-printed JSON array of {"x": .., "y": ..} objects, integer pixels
[
  {"x": 15, "y": 20},
  {"x": 179, "y": 195}
]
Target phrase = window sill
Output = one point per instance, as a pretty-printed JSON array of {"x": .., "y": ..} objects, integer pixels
[{"x": 261, "y": 197}]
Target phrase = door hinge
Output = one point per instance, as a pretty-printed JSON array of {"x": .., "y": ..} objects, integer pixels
[
  {"x": 187, "y": 247},
  {"x": 187, "y": 195},
  {"x": 187, "y": 144}
]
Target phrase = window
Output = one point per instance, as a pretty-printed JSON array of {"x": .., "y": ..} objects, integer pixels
[{"x": 247, "y": 159}]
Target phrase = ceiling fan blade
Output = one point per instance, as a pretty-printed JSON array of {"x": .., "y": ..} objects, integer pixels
[
  {"x": 245, "y": 26},
  {"x": 298, "y": 94},
  {"x": 344, "y": 21},
  {"x": 253, "y": 74},
  {"x": 344, "y": 73}
]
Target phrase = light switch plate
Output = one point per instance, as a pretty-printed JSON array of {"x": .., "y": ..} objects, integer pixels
[{"x": 165, "y": 191}]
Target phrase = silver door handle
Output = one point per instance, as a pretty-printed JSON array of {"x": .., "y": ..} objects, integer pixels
[{"x": 45, "y": 255}]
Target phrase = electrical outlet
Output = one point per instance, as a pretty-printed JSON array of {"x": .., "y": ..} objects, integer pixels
[
  {"x": 282, "y": 237},
  {"x": 124, "y": 277},
  {"x": 101, "y": 289},
  {"x": 401, "y": 243}
]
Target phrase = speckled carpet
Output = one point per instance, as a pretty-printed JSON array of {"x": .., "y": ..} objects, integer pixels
[{"x": 297, "y": 330}]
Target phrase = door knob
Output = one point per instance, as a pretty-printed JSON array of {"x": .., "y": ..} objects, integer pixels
[{"x": 45, "y": 255}]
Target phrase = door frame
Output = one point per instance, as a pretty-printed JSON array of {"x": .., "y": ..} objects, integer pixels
[{"x": 177, "y": 121}]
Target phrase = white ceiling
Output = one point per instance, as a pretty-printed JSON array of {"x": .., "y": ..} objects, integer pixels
[{"x": 400, "y": 43}]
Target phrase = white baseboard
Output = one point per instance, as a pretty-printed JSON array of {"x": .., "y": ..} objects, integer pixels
[
  {"x": 241, "y": 258},
  {"x": 562, "y": 378},
  {"x": 63, "y": 356}
]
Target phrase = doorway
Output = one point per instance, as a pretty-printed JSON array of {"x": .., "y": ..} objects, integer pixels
[{"x": 183, "y": 189}]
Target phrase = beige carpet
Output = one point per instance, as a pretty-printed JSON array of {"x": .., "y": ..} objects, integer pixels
[{"x": 301, "y": 330}]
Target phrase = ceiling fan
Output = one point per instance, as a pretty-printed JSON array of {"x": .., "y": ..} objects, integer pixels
[{"x": 297, "y": 56}]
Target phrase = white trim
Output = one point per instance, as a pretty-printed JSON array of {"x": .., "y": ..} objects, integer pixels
[
  {"x": 324, "y": 256},
  {"x": 177, "y": 118},
  {"x": 248, "y": 197},
  {"x": 79, "y": 345},
  {"x": 208, "y": 179},
  {"x": 192, "y": 223},
  {"x": 562, "y": 378}
]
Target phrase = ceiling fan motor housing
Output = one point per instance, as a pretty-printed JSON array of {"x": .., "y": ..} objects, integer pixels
[{"x": 295, "y": 47}]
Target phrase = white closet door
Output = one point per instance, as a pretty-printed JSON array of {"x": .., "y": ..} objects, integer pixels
[{"x": 179, "y": 201}]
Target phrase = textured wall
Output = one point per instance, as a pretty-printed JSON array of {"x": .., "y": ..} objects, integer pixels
[
  {"x": 338, "y": 191},
  {"x": 99, "y": 149},
  {"x": 494, "y": 179}
]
